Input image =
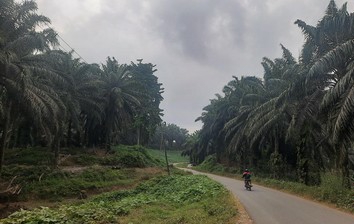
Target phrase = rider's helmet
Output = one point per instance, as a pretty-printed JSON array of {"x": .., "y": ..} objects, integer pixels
[{"x": 246, "y": 170}]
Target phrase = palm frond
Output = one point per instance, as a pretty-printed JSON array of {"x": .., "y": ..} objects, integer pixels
[{"x": 332, "y": 59}]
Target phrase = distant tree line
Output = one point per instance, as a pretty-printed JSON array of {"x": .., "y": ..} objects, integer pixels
[
  {"x": 50, "y": 98},
  {"x": 170, "y": 136},
  {"x": 299, "y": 119}
]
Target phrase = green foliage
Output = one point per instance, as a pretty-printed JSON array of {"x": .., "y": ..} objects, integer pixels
[
  {"x": 44, "y": 183},
  {"x": 174, "y": 137},
  {"x": 210, "y": 164},
  {"x": 28, "y": 156},
  {"x": 170, "y": 199},
  {"x": 172, "y": 155},
  {"x": 121, "y": 156},
  {"x": 131, "y": 156},
  {"x": 86, "y": 160},
  {"x": 24, "y": 173}
]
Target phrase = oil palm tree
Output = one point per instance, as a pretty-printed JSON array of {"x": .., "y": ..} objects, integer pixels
[
  {"x": 122, "y": 97},
  {"x": 332, "y": 42},
  {"x": 79, "y": 90},
  {"x": 23, "y": 79},
  {"x": 148, "y": 114}
]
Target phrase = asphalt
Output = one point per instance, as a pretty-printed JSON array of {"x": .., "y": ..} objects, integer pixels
[{"x": 268, "y": 206}]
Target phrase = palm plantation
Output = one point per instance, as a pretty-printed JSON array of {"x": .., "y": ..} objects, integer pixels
[
  {"x": 297, "y": 119},
  {"x": 69, "y": 102},
  {"x": 294, "y": 123}
]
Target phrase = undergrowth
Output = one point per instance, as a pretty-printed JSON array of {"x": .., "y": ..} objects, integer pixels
[
  {"x": 31, "y": 169},
  {"x": 55, "y": 185},
  {"x": 121, "y": 156},
  {"x": 168, "y": 199}
]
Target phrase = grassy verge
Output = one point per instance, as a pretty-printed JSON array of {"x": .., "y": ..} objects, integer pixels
[
  {"x": 330, "y": 191},
  {"x": 168, "y": 199}
]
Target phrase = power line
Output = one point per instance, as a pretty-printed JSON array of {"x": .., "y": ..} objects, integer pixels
[{"x": 72, "y": 49}]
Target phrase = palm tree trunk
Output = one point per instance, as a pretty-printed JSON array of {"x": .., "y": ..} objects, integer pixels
[
  {"x": 68, "y": 140},
  {"x": 138, "y": 136},
  {"x": 3, "y": 141},
  {"x": 108, "y": 143},
  {"x": 344, "y": 165},
  {"x": 56, "y": 146},
  {"x": 167, "y": 165},
  {"x": 276, "y": 144},
  {"x": 302, "y": 162},
  {"x": 4, "y": 136},
  {"x": 85, "y": 138}
]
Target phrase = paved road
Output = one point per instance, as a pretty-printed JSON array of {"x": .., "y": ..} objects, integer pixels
[{"x": 267, "y": 206}]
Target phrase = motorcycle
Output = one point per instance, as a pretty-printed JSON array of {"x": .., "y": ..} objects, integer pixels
[{"x": 248, "y": 185}]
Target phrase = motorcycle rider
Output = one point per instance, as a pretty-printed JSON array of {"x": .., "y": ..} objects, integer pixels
[{"x": 247, "y": 176}]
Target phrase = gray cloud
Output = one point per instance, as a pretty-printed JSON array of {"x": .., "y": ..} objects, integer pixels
[
  {"x": 198, "y": 45},
  {"x": 198, "y": 27}
]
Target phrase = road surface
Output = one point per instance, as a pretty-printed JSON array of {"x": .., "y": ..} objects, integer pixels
[{"x": 267, "y": 206}]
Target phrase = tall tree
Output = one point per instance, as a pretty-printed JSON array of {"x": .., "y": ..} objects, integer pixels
[
  {"x": 121, "y": 100},
  {"x": 148, "y": 116},
  {"x": 22, "y": 76}
]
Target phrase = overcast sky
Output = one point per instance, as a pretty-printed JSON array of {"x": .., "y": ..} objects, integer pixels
[{"x": 197, "y": 45}]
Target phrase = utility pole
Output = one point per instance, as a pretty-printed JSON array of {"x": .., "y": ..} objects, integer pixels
[{"x": 162, "y": 144}]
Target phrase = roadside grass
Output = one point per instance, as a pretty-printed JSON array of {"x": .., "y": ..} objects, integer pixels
[
  {"x": 165, "y": 199},
  {"x": 329, "y": 191}
]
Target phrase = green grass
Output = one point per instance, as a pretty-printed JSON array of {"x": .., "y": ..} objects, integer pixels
[
  {"x": 172, "y": 156},
  {"x": 168, "y": 199}
]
